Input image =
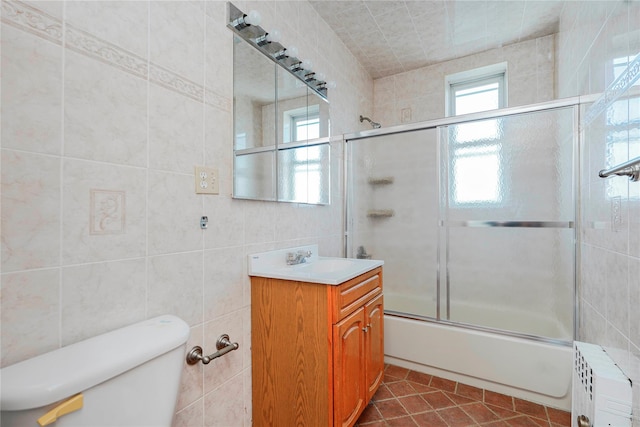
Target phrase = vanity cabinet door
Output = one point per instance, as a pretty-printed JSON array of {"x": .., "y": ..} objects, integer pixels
[
  {"x": 374, "y": 343},
  {"x": 349, "y": 387}
]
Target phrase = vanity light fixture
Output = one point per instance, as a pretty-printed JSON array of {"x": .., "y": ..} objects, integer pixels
[
  {"x": 273, "y": 36},
  {"x": 243, "y": 21},
  {"x": 248, "y": 28}
]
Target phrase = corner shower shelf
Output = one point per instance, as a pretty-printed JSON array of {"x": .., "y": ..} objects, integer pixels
[
  {"x": 381, "y": 181},
  {"x": 380, "y": 213}
]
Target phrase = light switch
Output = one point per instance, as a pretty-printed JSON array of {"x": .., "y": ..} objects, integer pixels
[{"x": 206, "y": 180}]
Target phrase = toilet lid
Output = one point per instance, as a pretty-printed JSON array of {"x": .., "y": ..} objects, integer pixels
[{"x": 53, "y": 376}]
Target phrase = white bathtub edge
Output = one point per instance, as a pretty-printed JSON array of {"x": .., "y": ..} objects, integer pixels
[{"x": 532, "y": 371}]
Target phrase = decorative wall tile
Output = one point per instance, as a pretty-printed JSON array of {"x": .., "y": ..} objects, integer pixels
[
  {"x": 122, "y": 23},
  {"x": 79, "y": 243},
  {"x": 54, "y": 8},
  {"x": 248, "y": 407},
  {"x": 30, "y": 314},
  {"x": 105, "y": 113},
  {"x": 87, "y": 44},
  {"x": 219, "y": 53},
  {"x": 31, "y": 92},
  {"x": 263, "y": 230},
  {"x": 223, "y": 279},
  {"x": 225, "y": 405},
  {"x": 228, "y": 366},
  {"x": 191, "y": 380},
  {"x": 97, "y": 298},
  {"x": 190, "y": 416},
  {"x": 108, "y": 212},
  {"x": 182, "y": 48},
  {"x": 634, "y": 301},
  {"x": 31, "y": 19},
  {"x": 618, "y": 292},
  {"x": 175, "y": 286},
  {"x": 30, "y": 211},
  {"x": 175, "y": 131},
  {"x": 174, "y": 214},
  {"x": 226, "y": 222},
  {"x": 126, "y": 62}
]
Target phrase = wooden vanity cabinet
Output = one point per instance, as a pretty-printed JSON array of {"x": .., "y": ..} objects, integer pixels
[{"x": 317, "y": 350}]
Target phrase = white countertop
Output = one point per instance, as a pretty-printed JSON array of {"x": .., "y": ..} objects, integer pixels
[{"x": 315, "y": 269}]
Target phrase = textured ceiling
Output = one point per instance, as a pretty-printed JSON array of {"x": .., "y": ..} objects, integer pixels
[{"x": 390, "y": 37}]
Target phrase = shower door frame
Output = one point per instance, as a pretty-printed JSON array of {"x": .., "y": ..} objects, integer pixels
[{"x": 575, "y": 103}]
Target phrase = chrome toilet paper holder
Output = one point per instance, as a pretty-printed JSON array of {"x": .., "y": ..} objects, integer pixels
[{"x": 223, "y": 345}]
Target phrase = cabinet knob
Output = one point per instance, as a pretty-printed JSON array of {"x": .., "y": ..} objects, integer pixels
[{"x": 365, "y": 329}]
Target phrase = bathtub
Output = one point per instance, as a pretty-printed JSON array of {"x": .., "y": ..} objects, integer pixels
[{"x": 527, "y": 369}]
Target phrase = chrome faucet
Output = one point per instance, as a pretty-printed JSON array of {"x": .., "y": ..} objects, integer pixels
[{"x": 299, "y": 257}]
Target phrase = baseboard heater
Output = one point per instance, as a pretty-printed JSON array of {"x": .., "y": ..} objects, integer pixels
[{"x": 601, "y": 394}]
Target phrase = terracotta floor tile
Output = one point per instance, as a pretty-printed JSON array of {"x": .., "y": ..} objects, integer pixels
[
  {"x": 383, "y": 393},
  {"x": 415, "y": 404},
  {"x": 501, "y": 412},
  {"x": 522, "y": 421},
  {"x": 459, "y": 400},
  {"x": 370, "y": 414},
  {"x": 405, "y": 400},
  {"x": 419, "y": 377},
  {"x": 455, "y": 417},
  {"x": 421, "y": 388},
  {"x": 401, "y": 422},
  {"x": 479, "y": 412},
  {"x": 470, "y": 392},
  {"x": 388, "y": 379},
  {"x": 401, "y": 388},
  {"x": 438, "y": 400},
  {"x": 396, "y": 371},
  {"x": 561, "y": 418},
  {"x": 373, "y": 424},
  {"x": 530, "y": 408},
  {"x": 443, "y": 384},
  {"x": 429, "y": 419},
  {"x": 498, "y": 399},
  {"x": 540, "y": 422},
  {"x": 391, "y": 408}
]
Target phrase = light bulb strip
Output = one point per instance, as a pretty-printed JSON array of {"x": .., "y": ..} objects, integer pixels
[{"x": 257, "y": 37}]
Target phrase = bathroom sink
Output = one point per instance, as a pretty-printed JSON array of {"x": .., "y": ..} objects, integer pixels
[
  {"x": 326, "y": 265},
  {"x": 314, "y": 269}
]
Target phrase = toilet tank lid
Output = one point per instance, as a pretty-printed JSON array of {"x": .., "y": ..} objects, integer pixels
[{"x": 59, "y": 374}]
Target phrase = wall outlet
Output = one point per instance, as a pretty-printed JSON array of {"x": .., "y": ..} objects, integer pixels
[{"x": 206, "y": 180}]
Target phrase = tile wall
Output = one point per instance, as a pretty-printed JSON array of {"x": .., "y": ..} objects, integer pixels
[
  {"x": 107, "y": 107},
  {"x": 419, "y": 95},
  {"x": 592, "y": 36}
]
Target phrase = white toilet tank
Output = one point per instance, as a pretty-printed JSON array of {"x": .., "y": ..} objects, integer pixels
[{"x": 126, "y": 378}]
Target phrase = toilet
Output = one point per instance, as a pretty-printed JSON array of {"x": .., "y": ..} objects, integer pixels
[{"x": 129, "y": 377}]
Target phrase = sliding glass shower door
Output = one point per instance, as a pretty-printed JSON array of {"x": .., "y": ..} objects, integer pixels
[
  {"x": 475, "y": 219},
  {"x": 507, "y": 222},
  {"x": 393, "y": 215}
]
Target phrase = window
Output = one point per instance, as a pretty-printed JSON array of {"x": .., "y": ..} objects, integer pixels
[
  {"x": 301, "y": 124},
  {"x": 306, "y": 127},
  {"x": 474, "y": 146}
]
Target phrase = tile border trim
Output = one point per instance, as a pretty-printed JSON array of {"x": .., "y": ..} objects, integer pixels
[
  {"x": 615, "y": 90},
  {"x": 40, "y": 24}
]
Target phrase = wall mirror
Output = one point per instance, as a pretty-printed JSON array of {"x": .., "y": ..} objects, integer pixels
[{"x": 281, "y": 124}]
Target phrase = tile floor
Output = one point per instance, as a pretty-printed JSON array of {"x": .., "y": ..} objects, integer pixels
[{"x": 408, "y": 398}]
